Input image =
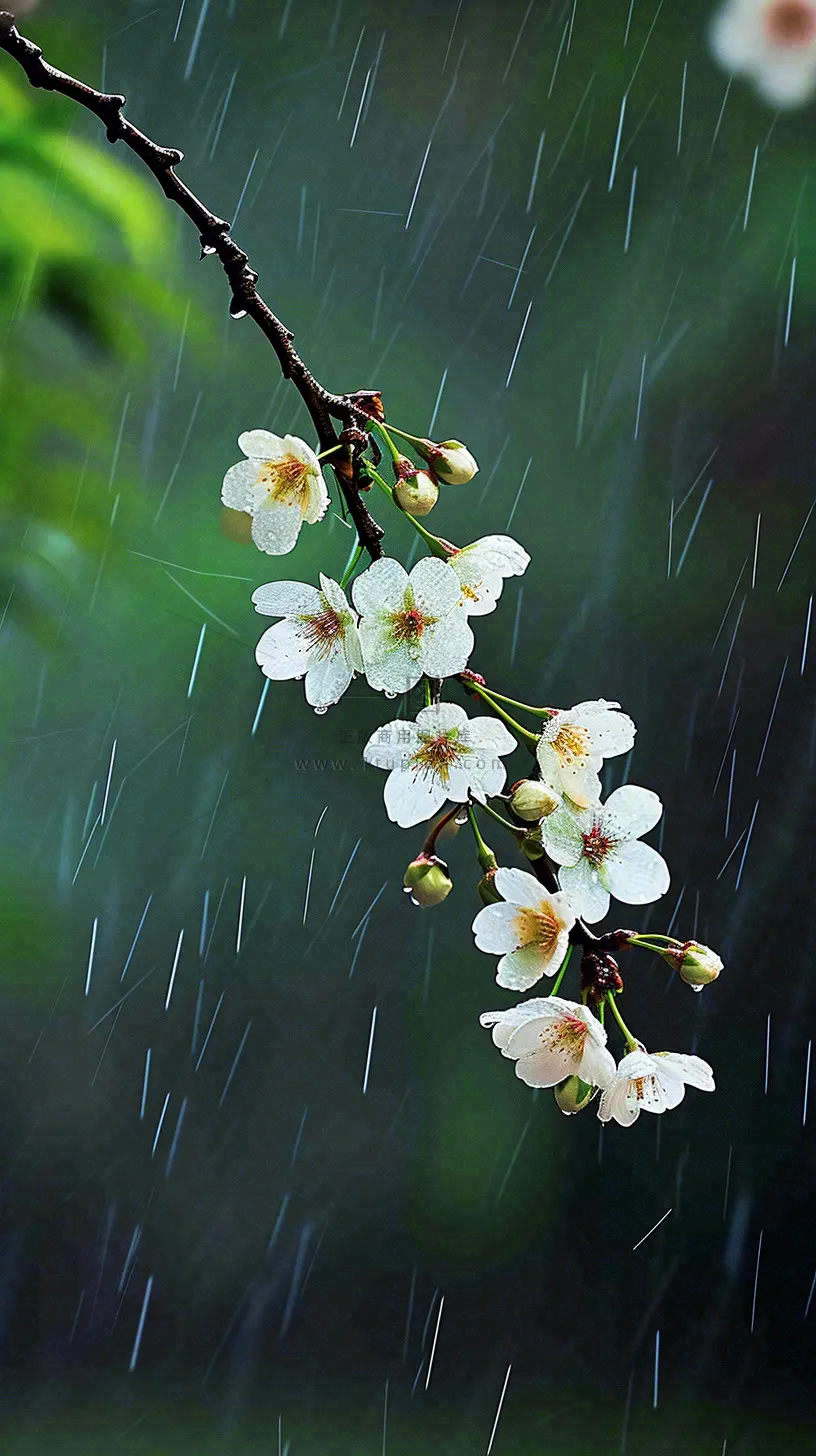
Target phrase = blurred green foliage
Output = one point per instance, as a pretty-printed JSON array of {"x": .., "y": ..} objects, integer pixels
[{"x": 82, "y": 242}]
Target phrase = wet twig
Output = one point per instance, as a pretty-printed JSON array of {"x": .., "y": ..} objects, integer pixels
[{"x": 350, "y": 410}]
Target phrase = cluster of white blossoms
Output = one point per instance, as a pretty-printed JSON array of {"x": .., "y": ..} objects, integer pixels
[
  {"x": 400, "y": 629},
  {"x": 773, "y": 42}
]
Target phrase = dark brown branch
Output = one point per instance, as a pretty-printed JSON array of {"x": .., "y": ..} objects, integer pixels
[{"x": 352, "y": 411}]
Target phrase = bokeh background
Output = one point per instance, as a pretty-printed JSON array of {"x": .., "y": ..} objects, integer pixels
[{"x": 616, "y": 311}]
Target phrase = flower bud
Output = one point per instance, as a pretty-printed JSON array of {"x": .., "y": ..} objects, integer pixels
[
  {"x": 699, "y": 965},
  {"x": 414, "y": 491},
  {"x": 573, "y": 1095},
  {"x": 451, "y": 462},
  {"x": 533, "y": 800},
  {"x": 427, "y": 880},
  {"x": 488, "y": 894}
]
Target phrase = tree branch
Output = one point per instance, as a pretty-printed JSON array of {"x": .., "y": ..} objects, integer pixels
[{"x": 351, "y": 410}]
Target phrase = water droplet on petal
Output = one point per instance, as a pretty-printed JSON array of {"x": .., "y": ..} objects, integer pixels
[
  {"x": 299, "y": 676},
  {"x": 324, "y": 708},
  {"x": 390, "y": 695},
  {"x": 406, "y": 890},
  {"x": 697, "y": 989}
]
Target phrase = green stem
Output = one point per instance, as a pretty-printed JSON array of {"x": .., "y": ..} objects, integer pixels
[
  {"x": 414, "y": 439},
  {"x": 432, "y": 542},
  {"x": 631, "y": 1041},
  {"x": 561, "y": 974},
  {"x": 356, "y": 553},
  {"x": 505, "y": 823},
  {"x": 646, "y": 940},
  {"x": 427, "y": 686},
  {"x": 389, "y": 443},
  {"x": 487, "y": 858},
  {"x": 514, "y": 703},
  {"x": 500, "y": 713},
  {"x": 325, "y": 453}
]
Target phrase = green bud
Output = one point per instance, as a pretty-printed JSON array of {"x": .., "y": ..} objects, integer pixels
[
  {"x": 416, "y": 493},
  {"x": 488, "y": 894},
  {"x": 573, "y": 1095},
  {"x": 699, "y": 965},
  {"x": 532, "y": 800},
  {"x": 451, "y": 462},
  {"x": 427, "y": 881}
]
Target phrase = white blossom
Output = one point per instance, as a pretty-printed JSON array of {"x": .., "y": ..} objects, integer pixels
[
  {"x": 550, "y": 1039},
  {"x": 574, "y": 743},
  {"x": 601, "y": 854},
  {"x": 316, "y": 639},
  {"x": 443, "y": 755},
  {"x": 529, "y": 928},
  {"x": 482, "y": 569},
  {"x": 280, "y": 485},
  {"x": 411, "y": 624},
  {"x": 771, "y": 41},
  {"x": 652, "y": 1083}
]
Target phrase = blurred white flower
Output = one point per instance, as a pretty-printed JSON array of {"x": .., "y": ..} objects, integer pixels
[
  {"x": 773, "y": 42},
  {"x": 529, "y": 928},
  {"x": 600, "y": 852},
  {"x": 655, "y": 1083},
  {"x": 443, "y": 755},
  {"x": 280, "y": 485},
  {"x": 574, "y": 744},
  {"x": 411, "y": 624},
  {"x": 550, "y": 1039},
  {"x": 316, "y": 639},
  {"x": 482, "y": 568}
]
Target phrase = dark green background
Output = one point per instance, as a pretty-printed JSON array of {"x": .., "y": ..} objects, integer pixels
[{"x": 447, "y": 1175}]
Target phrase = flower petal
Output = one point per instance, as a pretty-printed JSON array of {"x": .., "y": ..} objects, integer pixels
[
  {"x": 506, "y": 1023},
  {"x": 502, "y": 554},
  {"x": 381, "y": 587},
  {"x": 327, "y": 679},
  {"x": 484, "y": 731},
  {"x": 354, "y": 649},
  {"x": 263, "y": 445},
  {"x": 494, "y": 927},
  {"x": 612, "y": 732},
  {"x": 547, "y": 1066},
  {"x": 597, "y": 1064},
  {"x": 275, "y": 528},
  {"x": 587, "y": 895},
  {"x": 618, "y": 1102},
  {"x": 441, "y": 718},
  {"x": 630, "y": 812},
  {"x": 518, "y": 970},
  {"x": 487, "y": 774},
  {"x": 236, "y": 491},
  {"x": 411, "y": 798},
  {"x": 562, "y": 836},
  {"x": 283, "y": 652},
  {"x": 692, "y": 1070},
  {"x": 389, "y": 668},
  {"x": 391, "y": 745},
  {"x": 286, "y": 598},
  {"x": 635, "y": 873},
  {"x": 520, "y": 888},
  {"x": 317, "y": 503},
  {"x": 446, "y": 646},
  {"x": 435, "y": 587}
]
